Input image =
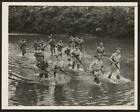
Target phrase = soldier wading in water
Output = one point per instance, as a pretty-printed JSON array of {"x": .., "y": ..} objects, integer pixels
[
  {"x": 59, "y": 48},
  {"x": 43, "y": 66},
  {"x": 52, "y": 45},
  {"x": 36, "y": 45},
  {"x": 115, "y": 63},
  {"x": 58, "y": 65},
  {"x": 96, "y": 68},
  {"x": 75, "y": 55},
  {"x": 22, "y": 46},
  {"x": 41, "y": 63}
]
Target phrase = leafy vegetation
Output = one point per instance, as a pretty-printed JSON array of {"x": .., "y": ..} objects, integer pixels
[{"x": 113, "y": 21}]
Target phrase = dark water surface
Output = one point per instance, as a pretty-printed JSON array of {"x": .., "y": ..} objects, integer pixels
[{"x": 77, "y": 90}]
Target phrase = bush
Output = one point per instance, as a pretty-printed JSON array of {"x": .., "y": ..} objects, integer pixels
[{"x": 114, "y": 21}]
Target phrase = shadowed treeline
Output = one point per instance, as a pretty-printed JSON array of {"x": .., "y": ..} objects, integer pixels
[{"x": 113, "y": 21}]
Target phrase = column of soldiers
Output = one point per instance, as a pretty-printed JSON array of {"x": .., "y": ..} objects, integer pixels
[{"x": 72, "y": 52}]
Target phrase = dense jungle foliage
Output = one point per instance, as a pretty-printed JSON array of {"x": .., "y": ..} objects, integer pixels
[{"x": 74, "y": 20}]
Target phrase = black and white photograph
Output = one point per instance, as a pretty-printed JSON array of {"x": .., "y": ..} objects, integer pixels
[{"x": 69, "y": 55}]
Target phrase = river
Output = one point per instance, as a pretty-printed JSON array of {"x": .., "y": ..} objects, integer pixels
[{"x": 76, "y": 91}]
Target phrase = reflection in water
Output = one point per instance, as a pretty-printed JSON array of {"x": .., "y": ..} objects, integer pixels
[
  {"x": 31, "y": 94},
  {"x": 76, "y": 92},
  {"x": 45, "y": 95},
  {"x": 24, "y": 94},
  {"x": 59, "y": 93}
]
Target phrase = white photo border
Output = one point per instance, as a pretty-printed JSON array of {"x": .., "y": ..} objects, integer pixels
[{"x": 5, "y": 6}]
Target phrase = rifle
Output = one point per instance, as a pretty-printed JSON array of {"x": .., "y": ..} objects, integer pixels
[
  {"x": 109, "y": 76},
  {"x": 63, "y": 71},
  {"x": 79, "y": 61},
  {"x": 60, "y": 70},
  {"x": 48, "y": 72}
]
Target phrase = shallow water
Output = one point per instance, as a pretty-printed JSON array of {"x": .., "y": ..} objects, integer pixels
[{"x": 77, "y": 89}]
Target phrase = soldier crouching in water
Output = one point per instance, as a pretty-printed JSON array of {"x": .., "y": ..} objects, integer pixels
[
  {"x": 115, "y": 63},
  {"x": 96, "y": 68},
  {"x": 22, "y": 46}
]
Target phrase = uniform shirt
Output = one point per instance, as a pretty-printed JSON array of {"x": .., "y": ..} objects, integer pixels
[
  {"x": 36, "y": 45},
  {"x": 71, "y": 39},
  {"x": 58, "y": 64},
  {"x": 96, "y": 65},
  {"x": 115, "y": 57},
  {"x": 43, "y": 46},
  {"x": 81, "y": 41},
  {"x": 67, "y": 51},
  {"x": 38, "y": 54},
  {"x": 42, "y": 65},
  {"x": 69, "y": 63},
  {"x": 75, "y": 53},
  {"x": 76, "y": 42},
  {"x": 100, "y": 50},
  {"x": 52, "y": 43},
  {"x": 22, "y": 45},
  {"x": 60, "y": 46}
]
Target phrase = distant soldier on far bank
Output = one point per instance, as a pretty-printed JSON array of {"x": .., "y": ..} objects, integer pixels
[{"x": 23, "y": 45}]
